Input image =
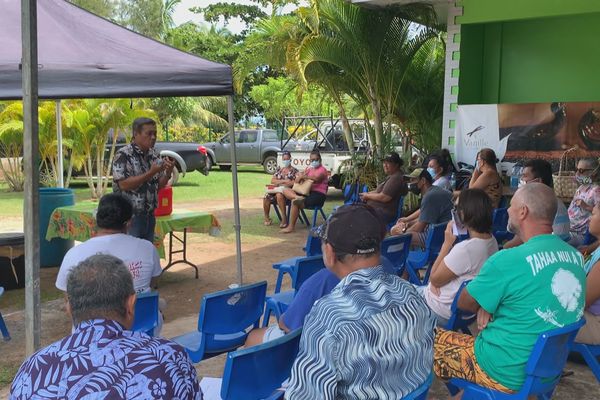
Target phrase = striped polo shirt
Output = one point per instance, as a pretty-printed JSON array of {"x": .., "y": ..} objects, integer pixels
[{"x": 370, "y": 338}]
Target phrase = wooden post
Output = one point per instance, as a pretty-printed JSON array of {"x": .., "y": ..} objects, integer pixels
[{"x": 32, "y": 175}]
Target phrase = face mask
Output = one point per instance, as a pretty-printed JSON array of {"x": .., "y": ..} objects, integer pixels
[
  {"x": 431, "y": 172},
  {"x": 521, "y": 184},
  {"x": 315, "y": 164},
  {"x": 583, "y": 180},
  {"x": 414, "y": 188},
  {"x": 287, "y": 163}
]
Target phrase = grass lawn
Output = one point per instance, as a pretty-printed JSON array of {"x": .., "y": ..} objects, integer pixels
[{"x": 194, "y": 187}]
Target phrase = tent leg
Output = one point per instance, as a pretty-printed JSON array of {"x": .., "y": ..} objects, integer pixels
[
  {"x": 59, "y": 137},
  {"x": 32, "y": 175},
  {"x": 236, "y": 198}
]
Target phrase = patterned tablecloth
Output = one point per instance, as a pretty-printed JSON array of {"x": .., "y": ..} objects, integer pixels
[{"x": 78, "y": 222}]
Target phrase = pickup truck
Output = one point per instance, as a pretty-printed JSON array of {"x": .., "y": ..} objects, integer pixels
[
  {"x": 193, "y": 155},
  {"x": 253, "y": 146}
]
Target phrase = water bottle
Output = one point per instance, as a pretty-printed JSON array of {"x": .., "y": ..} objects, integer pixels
[{"x": 453, "y": 181}]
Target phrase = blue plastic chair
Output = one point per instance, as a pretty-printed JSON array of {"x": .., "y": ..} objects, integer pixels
[
  {"x": 352, "y": 191},
  {"x": 398, "y": 213},
  {"x": 146, "y": 313},
  {"x": 223, "y": 321},
  {"x": 499, "y": 226},
  {"x": 257, "y": 372},
  {"x": 588, "y": 238},
  {"x": 590, "y": 354},
  {"x": 543, "y": 370},
  {"x": 460, "y": 320},
  {"x": 3, "y": 327},
  {"x": 421, "y": 392},
  {"x": 419, "y": 259},
  {"x": 396, "y": 249},
  {"x": 316, "y": 212},
  {"x": 278, "y": 302}
]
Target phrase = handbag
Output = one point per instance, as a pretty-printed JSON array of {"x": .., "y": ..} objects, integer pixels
[
  {"x": 303, "y": 188},
  {"x": 564, "y": 181}
]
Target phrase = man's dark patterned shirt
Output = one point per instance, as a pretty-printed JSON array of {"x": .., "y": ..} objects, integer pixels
[
  {"x": 101, "y": 360},
  {"x": 131, "y": 161}
]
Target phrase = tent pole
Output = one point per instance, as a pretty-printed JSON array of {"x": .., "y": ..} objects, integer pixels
[
  {"x": 59, "y": 137},
  {"x": 236, "y": 197},
  {"x": 32, "y": 174}
]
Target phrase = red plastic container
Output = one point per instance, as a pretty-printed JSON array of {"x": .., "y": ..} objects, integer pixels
[{"x": 165, "y": 202}]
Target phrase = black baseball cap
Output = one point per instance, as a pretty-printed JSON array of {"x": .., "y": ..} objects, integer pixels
[
  {"x": 353, "y": 229},
  {"x": 393, "y": 157}
]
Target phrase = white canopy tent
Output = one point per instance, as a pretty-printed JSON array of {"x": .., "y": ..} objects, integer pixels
[{"x": 82, "y": 55}]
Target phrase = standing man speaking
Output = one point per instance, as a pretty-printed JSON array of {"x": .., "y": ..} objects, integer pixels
[{"x": 138, "y": 173}]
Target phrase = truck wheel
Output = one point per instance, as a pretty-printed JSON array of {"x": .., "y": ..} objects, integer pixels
[
  {"x": 270, "y": 165},
  {"x": 174, "y": 177},
  {"x": 225, "y": 167}
]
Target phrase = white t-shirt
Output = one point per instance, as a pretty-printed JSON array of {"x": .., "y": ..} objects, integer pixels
[
  {"x": 139, "y": 255},
  {"x": 464, "y": 260},
  {"x": 443, "y": 182}
]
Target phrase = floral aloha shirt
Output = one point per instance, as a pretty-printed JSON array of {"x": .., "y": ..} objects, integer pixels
[
  {"x": 102, "y": 360},
  {"x": 131, "y": 161},
  {"x": 289, "y": 175}
]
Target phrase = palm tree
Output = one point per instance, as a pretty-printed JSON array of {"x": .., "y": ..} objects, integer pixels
[
  {"x": 11, "y": 144},
  {"x": 347, "y": 49}
]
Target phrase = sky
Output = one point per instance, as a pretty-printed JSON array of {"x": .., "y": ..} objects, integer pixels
[{"x": 183, "y": 15}]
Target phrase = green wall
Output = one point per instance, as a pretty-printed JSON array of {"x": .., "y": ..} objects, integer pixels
[
  {"x": 478, "y": 11},
  {"x": 538, "y": 60}
]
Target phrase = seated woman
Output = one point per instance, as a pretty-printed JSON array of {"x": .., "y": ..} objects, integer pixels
[
  {"x": 318, "y": 191},
  {"x": 438, "y": 169},
  {"x": 590, "y": 332},
  {"x": 283, "y": 176},
  {"x": 486, "y": 176},
  {"x": 458, "y": 263},
  {"x": 585, "y": 199}
]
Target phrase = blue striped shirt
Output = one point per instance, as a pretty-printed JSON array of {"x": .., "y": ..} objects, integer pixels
[{"x": 370, "y": 338}]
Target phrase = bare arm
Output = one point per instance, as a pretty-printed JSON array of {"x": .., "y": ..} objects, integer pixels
[
  {"x": 467, "y": 302},
  {"x": 592, "y": 286},
  {"x": 154, "y": 282},
  {"x": 482, "y": 181},
  {"x": 381, "y": 197},
  {"x": 134, "y": 182},
  {"x": 440, "y": 273},
  {"x": 418, "y": 226},
  {"x": 514, "y": 242}
]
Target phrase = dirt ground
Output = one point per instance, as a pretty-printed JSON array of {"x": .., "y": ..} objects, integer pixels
[{"x": 216, "y": 261}]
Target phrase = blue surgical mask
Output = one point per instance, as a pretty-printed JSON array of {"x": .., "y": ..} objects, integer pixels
[
  {"x": 583, "y": 179},
  {"x": 315, "y": 164},
  {"x": 432, "y": 172},
  {"x": 286, "y": 163}
]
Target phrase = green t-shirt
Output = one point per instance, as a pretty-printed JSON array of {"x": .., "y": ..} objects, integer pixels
[{"x": 529, "y": 289}]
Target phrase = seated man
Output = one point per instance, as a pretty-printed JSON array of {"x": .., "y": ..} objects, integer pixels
[
  {"x": 315, "y": 287},
  {"x": 384, "y": 199},
  {"x": 519, "y": 294},
  {"x": 436, "y": 207},
  {"x": 538, "y": 170},
  {"x": 102, "y": 358},
  {"x": 139, "y": 255},
  {"x": 348, "y": 338}
]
